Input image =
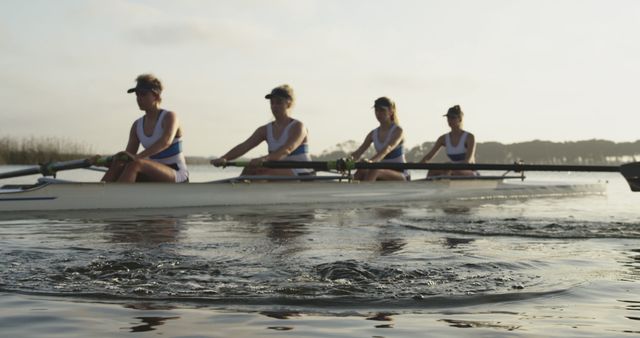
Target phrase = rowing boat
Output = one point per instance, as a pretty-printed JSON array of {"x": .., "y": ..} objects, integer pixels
[{"x": 52, "y": 194}]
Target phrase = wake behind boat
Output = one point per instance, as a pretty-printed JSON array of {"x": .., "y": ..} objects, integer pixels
[{"x": 52, "y": 194}]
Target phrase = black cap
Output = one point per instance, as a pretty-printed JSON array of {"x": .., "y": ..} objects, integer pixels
[
  {"x": 283, "y": 91},
  {"x": 454, "y": 111},
  {"x": 145, "y": 87},
  {"x": 147, "y": 82},
  {"x": 383, "y": 102}
]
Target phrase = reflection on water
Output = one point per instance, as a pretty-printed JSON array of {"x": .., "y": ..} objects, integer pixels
[
  {"x": 280, "y": 314},
  {"x": 284, "y": 229},
  {"x": 280, "y": 328},
  {"x": 452, "y": 243},
  {"x": 150, "y": 231},
  {"x": 456, "y": 210},
  {"x": 634, "y": 308},
  {"x": 395, "y": 253},
  {"x": 150, "y": 323},
  {"x": 389, "y": 246},
  {"x": 149, "y": 306},
  {"x": 379, "y": 263},
  {"x": 387, "y": 212},
  {"x": 389, "y": 240},
  {"x": 631, "y": 261},
  {"x": 468, "y": 324},
  {"x": 382, "y": 317}
]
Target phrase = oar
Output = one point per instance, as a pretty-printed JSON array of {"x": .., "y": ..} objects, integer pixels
[
  {"x": 49, "y": 169},
  {"x": 316, "y": 165},
  {"x": 630, "y": 171}
]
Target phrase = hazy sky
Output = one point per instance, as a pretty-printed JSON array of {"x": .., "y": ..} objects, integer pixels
[{"x": 521, "y": 70}]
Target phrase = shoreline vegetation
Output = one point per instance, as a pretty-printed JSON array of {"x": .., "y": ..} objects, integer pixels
[{"x": 36, "y": 150}]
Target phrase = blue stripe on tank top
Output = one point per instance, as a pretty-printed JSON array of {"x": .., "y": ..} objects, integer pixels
[
  {"x": 172, "y": 150},
  {"x": 399, "y": 151},
  {"x": 457, "y": 157},
  {"x": 302, "y": 149}
]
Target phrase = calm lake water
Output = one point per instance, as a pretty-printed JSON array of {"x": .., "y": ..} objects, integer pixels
[{"x": 563, "y": 267}]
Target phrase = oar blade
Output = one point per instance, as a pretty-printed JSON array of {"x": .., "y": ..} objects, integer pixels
[{"x": 631, "y": 172}]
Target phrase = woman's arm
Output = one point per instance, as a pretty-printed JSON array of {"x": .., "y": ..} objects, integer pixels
[
  {"x": 170, "y": 127},
  {"x": 134, "y": 143},
  {"x": 396, "y": 139},
  {"x": 434, "y": 151},
  {"x": 256, "y": 138},
  {"x": 471, "y": 149},
  {"x": 127, "y": 154},
  {"x": 297, "y": 134},
  {"x": 363, "y": 147}
]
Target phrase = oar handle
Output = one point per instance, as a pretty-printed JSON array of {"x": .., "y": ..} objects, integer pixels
[
  {"x": 241, "y": 164},
  {"x": 104, "y": 160}
]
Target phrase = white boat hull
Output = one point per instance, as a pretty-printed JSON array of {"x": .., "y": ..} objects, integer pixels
[{"x": 92, "y": 196}]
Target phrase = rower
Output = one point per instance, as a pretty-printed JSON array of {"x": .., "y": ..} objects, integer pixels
[
  {"x": 286, "y": 139},
  {"x": 160, "y": 134},
  {"x": 387, "y": 139},
  {"x": 459, "y": 144}
]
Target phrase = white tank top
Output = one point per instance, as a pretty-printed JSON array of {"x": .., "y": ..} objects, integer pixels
[
  {"x": 299, "y": 154},
  {"x": 173, "y": 154},
  {"x": 394, "y": 156},
  {"x": 458, "y": 153}
]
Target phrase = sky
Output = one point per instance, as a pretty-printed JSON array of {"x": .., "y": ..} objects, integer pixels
[{"x": 557, "y": 70}]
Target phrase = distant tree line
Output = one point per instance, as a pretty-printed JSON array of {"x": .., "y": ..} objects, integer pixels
[
  {"x": 42, "y": 150},
  {"x": 37, "y": 150},
  {"x": 537, "y": 151}
]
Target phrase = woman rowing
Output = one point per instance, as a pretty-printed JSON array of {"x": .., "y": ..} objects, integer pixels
[
  {"x": 286, "y": 139},
  {"x": 459, "y": 144},
  {"x": 159, "y": 133},
  {"x": 387, "y": 139}
]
